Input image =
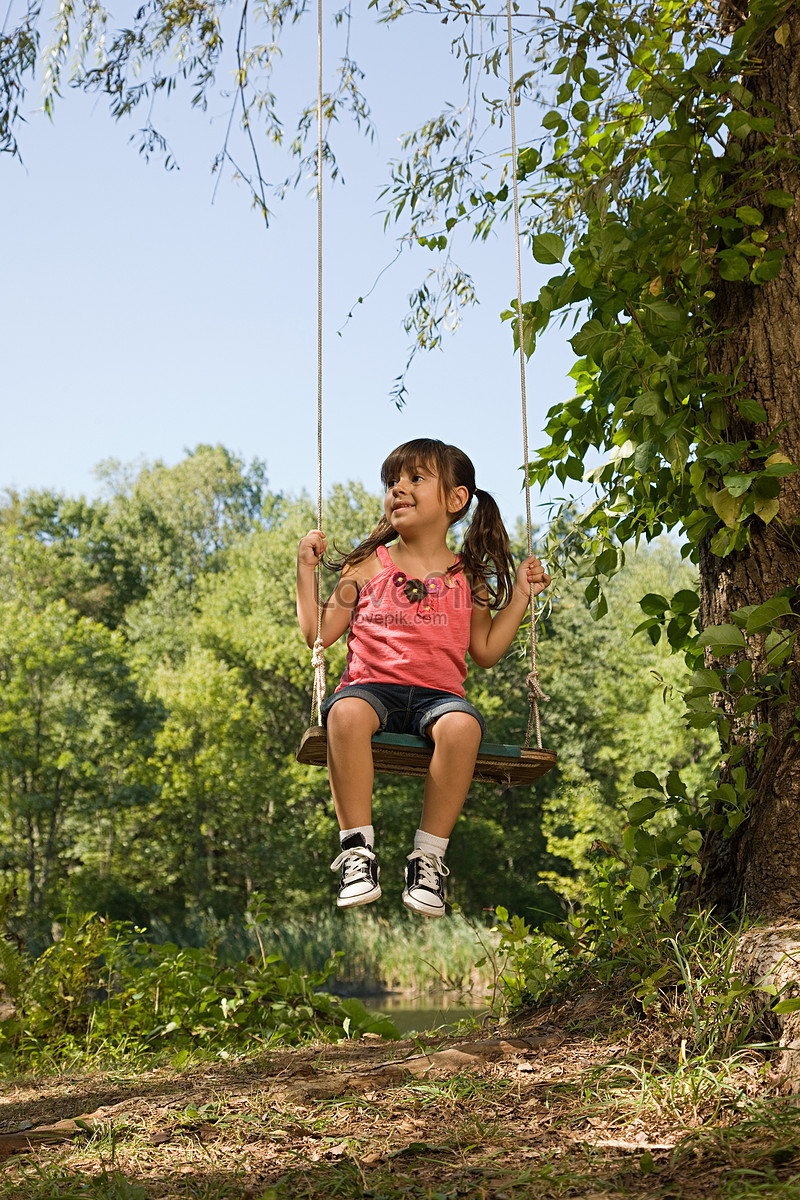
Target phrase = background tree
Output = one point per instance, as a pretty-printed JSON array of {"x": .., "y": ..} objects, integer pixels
[{"x": 73, "y": 730}]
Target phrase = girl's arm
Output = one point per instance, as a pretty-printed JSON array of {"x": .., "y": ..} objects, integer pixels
[
  {"x": 339, "y": 605},
  {"x": 490, "y": 637}
]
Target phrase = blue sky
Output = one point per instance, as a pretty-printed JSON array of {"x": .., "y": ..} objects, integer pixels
[{"x": 139, "y": 319}]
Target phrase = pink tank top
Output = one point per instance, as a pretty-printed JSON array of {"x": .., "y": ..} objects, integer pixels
[{"x": 418, "y": 642}]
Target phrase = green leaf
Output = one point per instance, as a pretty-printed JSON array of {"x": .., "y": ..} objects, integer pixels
[
  {"x": 706, "y": 681},
  {"x": 651, "y": 626},
  {"x": 670, "y": 314},
  {"x": 646, "y": 779},
  {"x": 769, "y": 267},
  {"x": 778, "y": 646},
  {"x": 751, "y": 409},
  {"x": 648, "y": 404},
  {"x": 766, "y": 615},
  {"x": 592, "y": 339},
  {"x": 779, "y": 198},
  {"x": 607, "y": 562},
  {"x": 787, "y": 1006},
  {"x": 726, "y": 453},
  {"x": 640, "y": 810},
  {"x": 644, "y": 455},
  {"x": 750, "y": 216},
  {"x": 548, "y": 248},
  {"x": 675, "y": 785},
  {"x": 722, "y": 639},
  {"x": 733, "y": 266},
  {"x": 528, "y": 160},
  {"x": 640, "y": 879},
  {"x": 727, "y": 507},
  {"x": 653, "y": 605},
  {"x": 737, "y": 484},
  {"x": 778, "y": 465},
  {"x": 685, "y": 601},
  {"x": 632, "y": 913},
  {"x": 766, "y": 509}
]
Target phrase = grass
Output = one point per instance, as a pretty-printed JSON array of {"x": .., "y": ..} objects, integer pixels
[
  {"x": 521, "y": 1136},
  {"x": 404, "y": 954}
]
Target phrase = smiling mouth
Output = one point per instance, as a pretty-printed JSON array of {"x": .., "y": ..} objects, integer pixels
[{"x": 398, "y": 507}]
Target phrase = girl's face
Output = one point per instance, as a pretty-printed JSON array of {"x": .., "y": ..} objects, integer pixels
[{"x": 415, "y": 497}]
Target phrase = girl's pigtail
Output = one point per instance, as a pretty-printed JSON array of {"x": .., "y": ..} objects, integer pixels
[
  {"x": 381, "y": 535},
  {"x": 486, "y": 555}
]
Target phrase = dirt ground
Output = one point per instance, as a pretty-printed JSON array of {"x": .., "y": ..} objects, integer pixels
[{"x": 544, "y": 1108}]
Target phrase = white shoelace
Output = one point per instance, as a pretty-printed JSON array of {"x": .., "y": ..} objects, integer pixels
[
  {"x": 355, "y": 862},
  {"x": 430, "y": 868}
]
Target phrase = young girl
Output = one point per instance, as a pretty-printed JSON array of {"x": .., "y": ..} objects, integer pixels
[{"x": 412, "y": 613}]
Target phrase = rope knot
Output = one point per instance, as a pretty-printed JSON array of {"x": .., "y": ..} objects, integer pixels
[
  {"x": 535, "y": 692},
  {"x": 317, "y": 654},
  {"x": 318, "y": 663}
]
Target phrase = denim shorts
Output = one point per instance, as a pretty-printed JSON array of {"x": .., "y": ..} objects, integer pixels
[{"x": 404, "y": 709}]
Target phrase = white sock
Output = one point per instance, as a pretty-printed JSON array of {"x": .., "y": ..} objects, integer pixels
[
  {"x": 367, "y": 831},
  {"x": 430, "y": 844}
]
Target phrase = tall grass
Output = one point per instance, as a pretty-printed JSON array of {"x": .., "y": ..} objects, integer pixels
[{"x": 405, "y": 953}]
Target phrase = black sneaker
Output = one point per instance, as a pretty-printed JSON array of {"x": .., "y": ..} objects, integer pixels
[
  {"x": 424, "y": 890},
  {"x": 359, "y": 879}
]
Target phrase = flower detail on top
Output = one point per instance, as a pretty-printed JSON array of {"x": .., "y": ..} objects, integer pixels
[
  {"x": 418, "y": 591},
  {"x": 415, "y": 589}
]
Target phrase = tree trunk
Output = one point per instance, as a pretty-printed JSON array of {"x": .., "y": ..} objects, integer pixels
[{"x": 758, "y": 869}]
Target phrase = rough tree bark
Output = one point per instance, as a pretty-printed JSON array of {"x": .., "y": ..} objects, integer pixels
[
  {"x": 762, "y": 863},
  {"x": 757, "y": 871}
]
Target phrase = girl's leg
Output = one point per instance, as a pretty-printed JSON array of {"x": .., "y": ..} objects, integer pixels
[
  {"x": 351, "y": 724},
  {"x": 456, "y": 737}
]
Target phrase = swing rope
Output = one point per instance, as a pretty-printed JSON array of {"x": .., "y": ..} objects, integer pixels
[
  {"x": 535, "y": 693},
  {"x": 318, "y": 653}
]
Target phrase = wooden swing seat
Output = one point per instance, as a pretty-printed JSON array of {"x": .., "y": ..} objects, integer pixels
[{"x": 404, "y": 754}]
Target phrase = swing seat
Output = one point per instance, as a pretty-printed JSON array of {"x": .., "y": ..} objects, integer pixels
[{"x": 405, "y": 754}]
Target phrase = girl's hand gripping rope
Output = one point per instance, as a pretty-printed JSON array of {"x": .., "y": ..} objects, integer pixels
[
  {"x": 531, "y": 576},
  {"x": 311, "y": 548}
]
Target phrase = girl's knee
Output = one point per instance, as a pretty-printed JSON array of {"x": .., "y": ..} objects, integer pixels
[
  {"x": 352, "y": 716},
  {"x": 456, "y": 727}
]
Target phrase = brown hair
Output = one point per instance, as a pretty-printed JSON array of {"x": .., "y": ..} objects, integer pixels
[{"x": 485, "y": 555}]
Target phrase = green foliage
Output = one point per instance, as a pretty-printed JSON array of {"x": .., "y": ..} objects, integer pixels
[
  {"x": 102, "y": 989},
  {"x": 629, "y": 940},
  {"x": 740, "y": 674},
  {"x": 616, "y": 703},
  {"x": 73, "y": 732},
  {"x": 654, "y": 184}
]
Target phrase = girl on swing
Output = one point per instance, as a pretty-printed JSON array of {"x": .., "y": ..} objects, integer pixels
[{"x": 411, "y": 617}]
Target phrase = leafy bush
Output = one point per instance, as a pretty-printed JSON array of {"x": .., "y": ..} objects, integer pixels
[
  {"x": 102, "y": 989},
  {"x": 630, "y": 940}
]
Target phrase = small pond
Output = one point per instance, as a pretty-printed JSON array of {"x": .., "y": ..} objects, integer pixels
[{"x": 419, "y": 1014}]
